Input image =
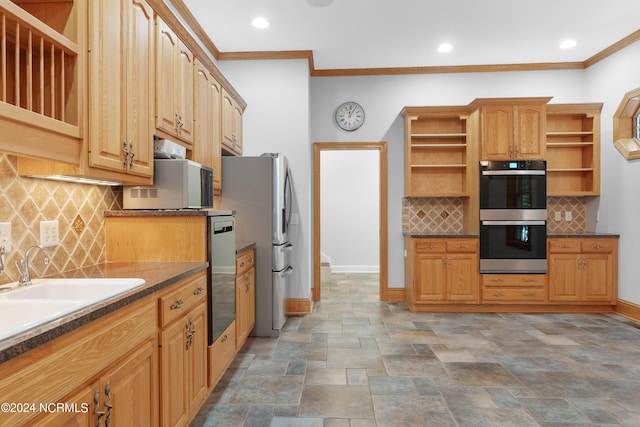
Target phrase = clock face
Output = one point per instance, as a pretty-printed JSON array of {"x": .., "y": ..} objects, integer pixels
[{"x": 350, "y": 116}]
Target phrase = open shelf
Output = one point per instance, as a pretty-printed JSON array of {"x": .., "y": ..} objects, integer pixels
[
  {"x": 436, "y": 152},
  {"x": 573, "y": 149}
]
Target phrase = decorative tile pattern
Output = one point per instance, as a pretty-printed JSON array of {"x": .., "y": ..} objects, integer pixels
[
  {"x": 26, "y": 201},
  {"x": 432, "y": 215},
  {"x": 575, "y": 205}
]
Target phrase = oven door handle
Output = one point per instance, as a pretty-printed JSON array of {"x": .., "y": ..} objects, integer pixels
[
  {"x": 513, "y": 222},
  {"x": 514, "y": 172}
]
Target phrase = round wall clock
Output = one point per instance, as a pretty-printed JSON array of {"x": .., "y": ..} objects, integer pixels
[{"x": 350, "y": 116}]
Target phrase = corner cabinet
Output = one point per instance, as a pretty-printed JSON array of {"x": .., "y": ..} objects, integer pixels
[
  {"x": 511, "y": 128},
  {"x": 573, "y": 149},
  {"x": 441, "y": 271},
  {"x": 174, "y": 85},
  {"x": 231, "y": 124},
  {"x": 437, "y": 155},
  {"x": 583, "y": 270},
  {"x": 121, "y": 76}
]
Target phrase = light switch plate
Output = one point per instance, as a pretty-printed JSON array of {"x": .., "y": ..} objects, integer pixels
[
  {"x": 568, "y": 216},
  {"x": 5, "y": 236},
  {"x": 49, "y": 233},
  {"x": 558, "y": 216}
]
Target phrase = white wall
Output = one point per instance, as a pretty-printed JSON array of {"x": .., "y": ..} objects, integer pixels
[
  {"x": 619, "y": 205},
  {"x": 349, "y": 209},
  {"x": 270, "y": 87},
  {"x": 277, "y": 120}
]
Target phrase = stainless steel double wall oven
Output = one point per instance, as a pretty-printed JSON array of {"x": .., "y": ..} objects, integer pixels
[{"x": 513, "y": 216}]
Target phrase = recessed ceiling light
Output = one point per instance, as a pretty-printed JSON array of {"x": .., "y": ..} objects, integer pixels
[
  {"x": 260, "y": 22},
  {"x": 567, "y": 44},
  {"x": 445, "y": 47}
]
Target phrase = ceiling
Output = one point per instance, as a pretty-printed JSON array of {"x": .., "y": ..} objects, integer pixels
[{"x": 347, "y": 34}]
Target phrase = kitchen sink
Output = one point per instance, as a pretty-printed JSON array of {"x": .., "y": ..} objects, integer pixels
[
  {"x": 45, "y": 300},
  {"x": 73, "y": 289}
]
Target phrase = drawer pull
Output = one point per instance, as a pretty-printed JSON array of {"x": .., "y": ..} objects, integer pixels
[
  {"x": 530, "y": 295},
  {"x": 198, "y": 291},
  {"x": 251, "y": 260},
  {"x": 498, "y": 295},
  {"x": 177, "y": 305},
  {"x": 462, "y": 246},
  {"x": 566, "y": 246},
  {"x": 497, "y": 280},
  {"x": 529, "y": 280},
  {"x": 598, "y": 246},
  {"x": 224, "y": 338},
  {"x": 242, "y": 264}
]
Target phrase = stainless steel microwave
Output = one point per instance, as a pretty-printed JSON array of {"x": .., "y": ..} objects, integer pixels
[{"x": 177, "y": 184}]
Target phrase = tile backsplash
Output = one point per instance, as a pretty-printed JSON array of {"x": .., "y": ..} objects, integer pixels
[
  {"x": 445, "y": 215},
  {"x": 79, "y": 209}
]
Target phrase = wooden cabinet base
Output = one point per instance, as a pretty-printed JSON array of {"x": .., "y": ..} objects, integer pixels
[
  {"x": 511, "y": 308},
  {"x": 221, "y": 354}
]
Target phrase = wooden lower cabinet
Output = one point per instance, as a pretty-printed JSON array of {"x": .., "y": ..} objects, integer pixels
[
  {"x": 442, "y": 271},
  {"x": 183, "y": 353},
  {"x": 514, "y": 288},
  {"x": 112, "y": 359},
  {"x": 245, "y": 295},
  {"x": 221, "y": 354},
  {"x": 583, "y": 270}
]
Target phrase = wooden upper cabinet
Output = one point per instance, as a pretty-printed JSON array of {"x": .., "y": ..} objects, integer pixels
[
  {"x": 231, "y": 124},
  {"x": 207, "y": 134},
  {"x": 512, "y": 128},
  {"x": 121, "y": 86},
  {"x": 174, "y": 85}
]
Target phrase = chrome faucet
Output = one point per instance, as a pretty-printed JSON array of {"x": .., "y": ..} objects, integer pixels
[
  {"x": 23, "y": 266},
  {"x": 1, "y": 259}
]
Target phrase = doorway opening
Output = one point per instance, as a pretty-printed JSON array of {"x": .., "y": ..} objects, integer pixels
[{"x": 381, "y": 147}]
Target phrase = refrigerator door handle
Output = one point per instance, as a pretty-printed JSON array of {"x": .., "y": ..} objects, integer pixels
[{"x": 287, "y": 271}]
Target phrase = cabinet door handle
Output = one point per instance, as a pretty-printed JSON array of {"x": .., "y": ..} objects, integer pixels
[
  {"x": 515, "y": 150},
  {"x": 242, "y": 264},
  {"x": 125, "y": 152},
  {"x": 177, "y": 305},
  {"x": 107, "y": 404},
  {"x": 198, "y": 290},
  {"x": 100, "y": 414},
  {"x": 224, "y": 338},
  {"x": 131, "y": 154}
]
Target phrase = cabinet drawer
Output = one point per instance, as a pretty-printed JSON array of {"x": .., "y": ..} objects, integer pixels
[
  {"x": 182, "y": 297},
  {"x": 244, "y": 261},
  {"x": 462, "y": 245},
  {"x": 221, "y": 353},
  {"x": 598, "y": 245},
  {"x": 564, "y": 245},
  {"x": 513, "y": 295},
  {"x": 427, "y": 246},
  {"x": 513, "y": 280}
]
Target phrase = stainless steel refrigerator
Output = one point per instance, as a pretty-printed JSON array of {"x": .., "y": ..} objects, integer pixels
[{"x": 259, "y": 190}]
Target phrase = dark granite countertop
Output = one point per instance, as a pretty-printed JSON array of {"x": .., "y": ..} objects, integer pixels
[
  {"x": 440, "y": 235},
  {"x": 583, "y": 234},
  {"x": 242, "y": 246},
  {"x": 157, "y": 275}
]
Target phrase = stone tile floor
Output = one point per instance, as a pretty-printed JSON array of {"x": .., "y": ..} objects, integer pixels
[{"x": 360, "y": 362}]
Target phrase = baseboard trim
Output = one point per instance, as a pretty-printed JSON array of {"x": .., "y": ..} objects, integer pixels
[
  {"x": 299, "y": 306},
  {"x": 395, "y": 294},
  {"x": 627, "y": 309}
]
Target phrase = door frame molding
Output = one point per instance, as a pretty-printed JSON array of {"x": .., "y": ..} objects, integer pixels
[{"x": 318, "y": 147}]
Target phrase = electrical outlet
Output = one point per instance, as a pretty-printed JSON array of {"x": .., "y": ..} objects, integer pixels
[
  {"x": 49, "y": 233},
  {"x": 568, "y": 216},
  {"x": 558, "y": 216},
  {"x": 5, "y": 236}
]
